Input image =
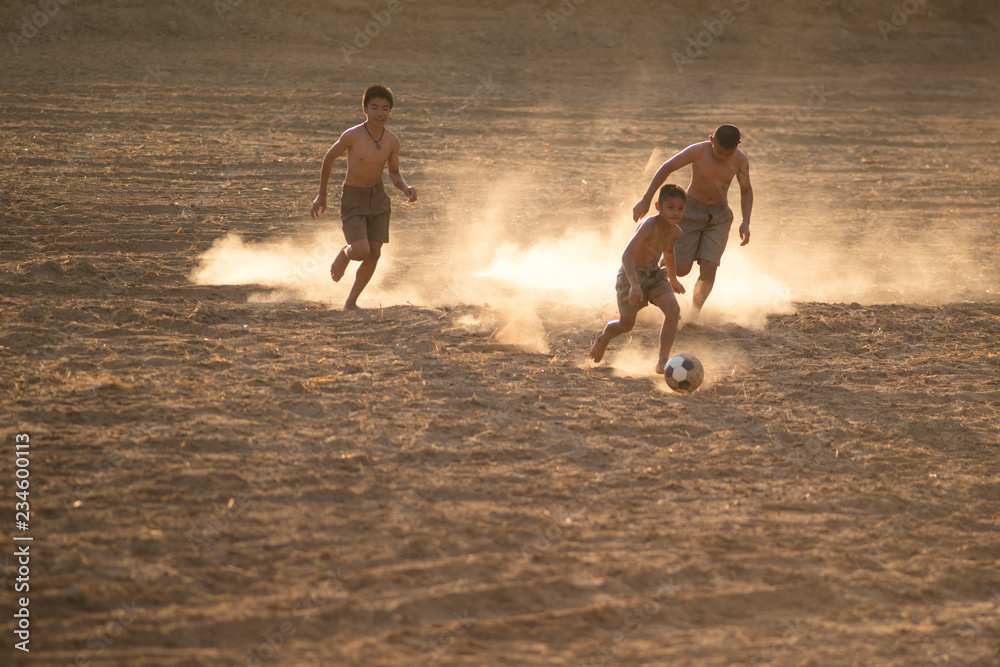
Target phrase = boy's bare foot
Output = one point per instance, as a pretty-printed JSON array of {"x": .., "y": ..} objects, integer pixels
[
  {"x": 599, "y": 346},
  {"x": 339, "y": 266},
  {"x": 661, "y": 365},
  {"x": 352, "y": 305}
]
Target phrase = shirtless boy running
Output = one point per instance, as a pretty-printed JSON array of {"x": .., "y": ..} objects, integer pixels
[
  {"x": 364, "y": 205},
  {"x": 707, "y": 218},
  {"x": 647, "y": 275}
]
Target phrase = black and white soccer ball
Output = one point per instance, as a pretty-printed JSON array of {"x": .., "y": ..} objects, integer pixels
[{"x": 684, "y": 373}]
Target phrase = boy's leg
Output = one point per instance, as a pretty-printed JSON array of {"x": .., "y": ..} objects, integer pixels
[
  {"x": 372, "y": 252},
  {"x": 368, "y": 248},
  {"x": 364, "y": 213},
  {"x": 357, "y": 251},
  {"x": 711, "y": 245},
  {"x": 614, "y": 328},
  {"x": 666, "y": 302},
  {"x": 703, "y": 286},
  {"x": 340, "y": 263}
]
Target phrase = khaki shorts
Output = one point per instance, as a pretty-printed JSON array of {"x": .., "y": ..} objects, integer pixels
[
  {"x": 652, "y": 279},
  {"x": 365, "y": 213},
  {"x": 706, "y": 231}
]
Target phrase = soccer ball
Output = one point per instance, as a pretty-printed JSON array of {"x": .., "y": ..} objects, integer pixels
[{"x": 684, "y": 373}]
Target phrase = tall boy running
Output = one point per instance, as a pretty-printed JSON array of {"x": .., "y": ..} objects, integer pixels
[
  {"x": 708, "y": 217},
  {"x": 648, "y": 275},
  {"x": 364, "y": 205}
]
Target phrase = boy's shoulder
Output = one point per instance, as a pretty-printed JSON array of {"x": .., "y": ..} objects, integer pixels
[
  {"x": 649, "y": 222},
  {"x": 657, "y": 224},
  {"x": 391, "y": 136},
  {"x": 351, "y": 133},
  {"x": 738, "y": 160},
  {"x": 698, "y": 151}
]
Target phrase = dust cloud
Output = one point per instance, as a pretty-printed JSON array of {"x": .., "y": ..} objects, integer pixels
[
  {"x": 869, "y": 254},
  {"x": 496, "y": 265},
  {"x": 504, "y": 258},
  {"x": 294, "y": 268}
]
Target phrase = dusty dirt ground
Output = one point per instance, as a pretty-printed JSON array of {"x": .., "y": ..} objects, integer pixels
[{"x": 229, "y": 470}]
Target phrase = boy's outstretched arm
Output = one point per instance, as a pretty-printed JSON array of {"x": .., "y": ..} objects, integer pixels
[
  {"x": 628, "y": 263},
  {"x": 396, "y": 177},
  {"x": 746, "y": 201},
  {"x": 685, "y": 157},
  {"x": 671, "y": 265},
  {"x": 338, "y": 149}
]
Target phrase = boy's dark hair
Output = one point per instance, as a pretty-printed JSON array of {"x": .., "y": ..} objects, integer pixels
[
  {"x": 671, "y": 190},
  {"x": 377, "y": 90},
  {"x": 727, "y": 137}
]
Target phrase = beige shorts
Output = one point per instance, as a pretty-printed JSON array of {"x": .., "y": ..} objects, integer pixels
[
  {"x": 706, "y": 231},
  {"x": 652, "y": 279},
  {"x": 365, "y": 213}
]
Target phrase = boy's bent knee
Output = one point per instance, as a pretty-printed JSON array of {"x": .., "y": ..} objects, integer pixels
[
  {"x": 360, "y": 251},
  {"x": 626, "y": 324},
  {"x": 671, "y": 309}
]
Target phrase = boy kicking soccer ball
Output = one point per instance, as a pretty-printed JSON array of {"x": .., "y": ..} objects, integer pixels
[{"x": 648, "y": 275}]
